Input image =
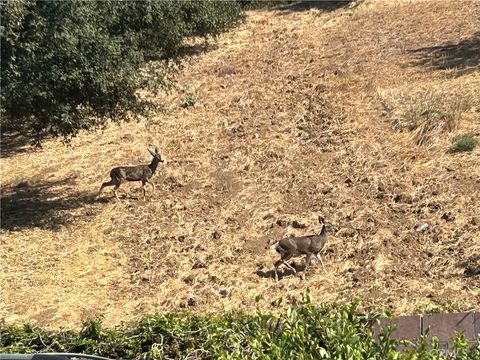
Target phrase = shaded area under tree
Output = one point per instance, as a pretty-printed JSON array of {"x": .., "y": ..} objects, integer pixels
[
  {"x": 319, "y": 5},
  {"x": 42, "y": 205},
  {"x": 12, "y": 143},
  {"x": 463, "y": 56}
]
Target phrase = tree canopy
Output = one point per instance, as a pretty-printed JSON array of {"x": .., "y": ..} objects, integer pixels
[{"x": 72, "y": 65}]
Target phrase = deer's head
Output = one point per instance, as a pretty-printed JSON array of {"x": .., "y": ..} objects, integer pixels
[{"x": 156, "y": 155}]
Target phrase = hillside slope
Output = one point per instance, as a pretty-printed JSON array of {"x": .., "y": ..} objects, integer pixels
[{"x": 298, "y": 113}]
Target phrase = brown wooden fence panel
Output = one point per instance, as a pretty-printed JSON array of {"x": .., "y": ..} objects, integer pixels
[
  {"x": 406, "y": 327},
  {"x": 442, "y": 326},
  {"x": 476, "y": 326}
]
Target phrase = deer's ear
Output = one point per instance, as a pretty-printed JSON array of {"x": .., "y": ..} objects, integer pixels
[
  {"x": 151, "y": 152},
  {"x": 156, "y": 150}
]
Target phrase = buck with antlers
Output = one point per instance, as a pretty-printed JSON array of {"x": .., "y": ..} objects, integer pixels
[{"x": 143, "y": 173}]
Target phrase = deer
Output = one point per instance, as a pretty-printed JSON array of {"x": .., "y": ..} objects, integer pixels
[
  {"x": 309, "y": 245},
  {"x": 143, "y": 173}
]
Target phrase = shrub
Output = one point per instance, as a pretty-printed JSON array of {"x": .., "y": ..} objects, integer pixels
[
  {"x": 426, "y": 114},
  {"x": 465, "y": 142},
  {"x": 301, "y": 332},
  {"x": 72, "y": 65},
  {"x": 209, "y": 18},
  {"x": 188, "y": 101}
]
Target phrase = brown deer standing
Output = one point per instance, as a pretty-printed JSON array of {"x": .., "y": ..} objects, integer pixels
[
  {"x": 143, "y": 173},
  {"x": 309, "y": 245}
]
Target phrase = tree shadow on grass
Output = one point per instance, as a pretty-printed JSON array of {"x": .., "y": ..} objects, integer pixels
[
  {"x": 197, "y": 49},
  {"x": 43, "y": 205},
  {"x": 322, "y": 5},
  {"x": 12, "y": 143},
  {"x": 464, "y": 56}
]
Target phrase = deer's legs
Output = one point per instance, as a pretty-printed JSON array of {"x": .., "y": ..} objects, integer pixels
[
  {"x": 283, "y": 260},
  {"x": 105, "y": 184},
  {"x": 290, "y": 266},
  {"x": 321, "y": 261},
  {"x": 307, "y": 260},
  {"x": 117, "y": 186},
  {"x": 277, "y": 264},
  {"x": 153, "y": 185},
  {"x": 144, "y": 183}
]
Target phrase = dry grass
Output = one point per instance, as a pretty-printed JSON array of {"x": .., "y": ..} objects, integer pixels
[
  {"x": 425, "y": 114},
  {"x": 287, "y": 124}
]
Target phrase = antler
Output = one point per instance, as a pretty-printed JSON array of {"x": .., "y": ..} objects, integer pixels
[
  {"x": 156, "y": 153},
  {"x": 154, "y": 146}
]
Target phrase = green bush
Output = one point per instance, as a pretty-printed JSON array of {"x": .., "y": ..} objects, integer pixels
[
  {"x": 188, "y": 101},
  {"x": 72, "y": 65},
  {"x": 428, "y": 115},
  {"x": 209, "y": 18},
  {"x": 465, "y": 142},
  {"x": 302, "y": 332}
]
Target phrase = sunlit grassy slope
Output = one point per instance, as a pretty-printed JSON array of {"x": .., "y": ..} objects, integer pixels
[{"x": 345, "y": 113}]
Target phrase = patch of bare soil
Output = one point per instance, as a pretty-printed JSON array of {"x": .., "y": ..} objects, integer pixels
[{"x": 295, "y": 116}]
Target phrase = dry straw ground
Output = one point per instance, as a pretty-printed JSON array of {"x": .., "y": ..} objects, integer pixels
[{"x": 299, "y": 112}]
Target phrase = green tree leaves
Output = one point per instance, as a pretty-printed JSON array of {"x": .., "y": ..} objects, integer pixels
[{"x": 72, "y": 65}]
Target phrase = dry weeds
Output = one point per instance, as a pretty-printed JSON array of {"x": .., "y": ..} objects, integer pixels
[{"x": 288, "y": 123}]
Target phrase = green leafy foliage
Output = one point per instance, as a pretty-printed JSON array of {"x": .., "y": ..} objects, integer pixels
[
  {"x": 188, "y": 101},
  {"x": 72, "y": 65},
  {"x": 304, "y": 331},
  {"x": 464, "y": 142}
]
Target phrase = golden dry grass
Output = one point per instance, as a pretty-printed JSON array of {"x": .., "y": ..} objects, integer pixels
[{"x": 288, "y": 124}]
